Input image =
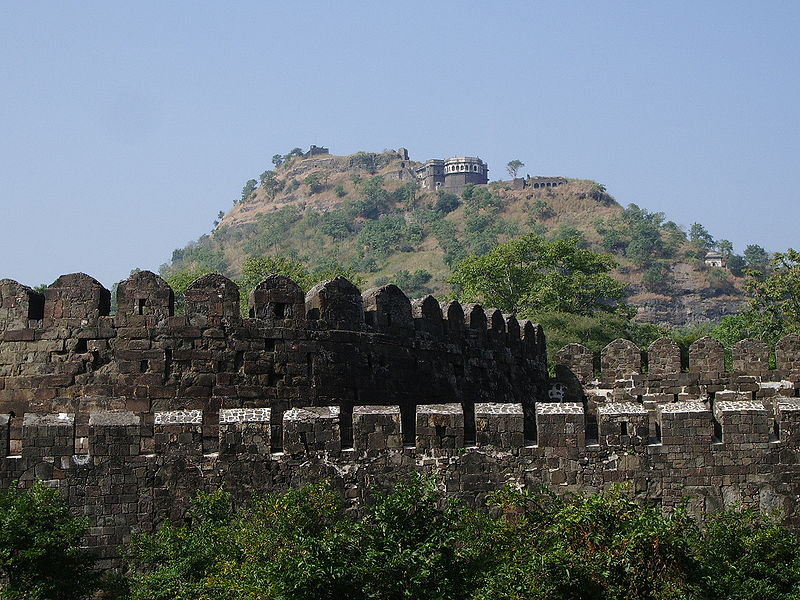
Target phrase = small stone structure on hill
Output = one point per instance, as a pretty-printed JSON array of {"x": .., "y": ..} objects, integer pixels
[{"x": 130, "y": 414}]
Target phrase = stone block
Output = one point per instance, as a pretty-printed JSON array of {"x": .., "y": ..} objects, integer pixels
[
  {"x": 560, "y": 425},
  {"x": 377, "y": 428},
  {"x": 50, "y": 435},
  {"x": 178, "y": 433},
  {"x": 623, "y": 424},
  {"x": 439, "y": 426},
  {"x": 244, "y": 432},
  {"x": 743, "y": 422},
  {"x": 114, "y": 434},
  {"x": 500, "y": 425},
  {"x": 311, "y": 429}
]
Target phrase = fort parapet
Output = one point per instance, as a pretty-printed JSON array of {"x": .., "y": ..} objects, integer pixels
[{"x": 130, "y": 414}]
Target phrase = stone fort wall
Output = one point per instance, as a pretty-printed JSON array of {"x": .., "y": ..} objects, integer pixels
[{"x": 130, "y": 414}]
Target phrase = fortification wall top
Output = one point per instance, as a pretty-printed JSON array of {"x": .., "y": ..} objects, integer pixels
[{"x": 331, "y": 346}]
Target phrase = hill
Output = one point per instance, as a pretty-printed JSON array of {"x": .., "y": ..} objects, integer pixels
[{"x": 367, "y": 213}]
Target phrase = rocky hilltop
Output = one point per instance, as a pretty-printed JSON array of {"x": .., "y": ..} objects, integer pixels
[{"x": 372, "y": 214}]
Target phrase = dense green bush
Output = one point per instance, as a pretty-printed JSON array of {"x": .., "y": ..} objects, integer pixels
[
  {"x": 413, "y": 284},
  {"x": 410, "y": 543},
  {"x": 40, "y": 553},
  {"x": 414, "y": 543}
]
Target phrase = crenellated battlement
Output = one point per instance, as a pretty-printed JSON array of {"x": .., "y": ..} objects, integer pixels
[
  {"x": 129, "y": 414},
  {"x": 246, "y": 431},
  {"x": 627, "y": 373}
]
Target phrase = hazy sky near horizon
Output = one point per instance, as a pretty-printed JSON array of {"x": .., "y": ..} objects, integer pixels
[{"x": 126, "y": 127}]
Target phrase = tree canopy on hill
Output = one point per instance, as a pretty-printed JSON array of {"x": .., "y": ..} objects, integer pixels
[
  {"x": 774, "y": 307},
  {"x": 528, "y": 275}
]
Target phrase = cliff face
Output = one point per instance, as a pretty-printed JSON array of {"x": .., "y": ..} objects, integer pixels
[{"x": 686, "y": 310}]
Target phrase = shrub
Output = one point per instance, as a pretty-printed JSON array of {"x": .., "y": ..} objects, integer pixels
[{"x": 40, "y": 553}]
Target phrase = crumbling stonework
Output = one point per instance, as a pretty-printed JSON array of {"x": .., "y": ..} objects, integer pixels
[{"x": 130, "y": 414}]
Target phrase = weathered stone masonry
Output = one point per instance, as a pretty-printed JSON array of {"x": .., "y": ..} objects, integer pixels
[{"x": 130, "y": 414}]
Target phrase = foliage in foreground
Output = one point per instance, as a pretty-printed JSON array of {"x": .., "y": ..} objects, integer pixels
[
  {"x": 40, "y": 553},
  {"x": 414, "y": 543}
]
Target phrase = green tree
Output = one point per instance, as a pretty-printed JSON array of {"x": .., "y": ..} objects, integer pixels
[
  {"x": 774, "y": 306},
  {"x": 756, "y": 258},
  {"x": 673, "y": 236},
  {"x": 413, "y": 542},
  {"x": 599, "y": 194},
  {"x": 270, "y": 182},
  {"x": 577, "y": 547},
  {"x": 542, "y": 210},
  {"x": 405, "y": 195},
  {"x": 277, "y": 160},
  {"x": 40, "y": 553},
  {"x": 248, "y": 189},
  {"x": 656, "y": 278},
  {"x": 372, "y": 200},
  {"x": 567, "y": 232},
  {"x": 529, "y": 275},
  {"x": 725, "y": 248},
  {"x": 383, "y": 235},
  {"x": 300, "y": 545},
  {"x": 336, "y": 224},
  {"x": 513, "y": 167},
  {"x": 744, "y": 554},
  {"x": 736, "y": 264},
  {"x": 700, "y": 238},
  {"x": 315, "y": 184},
  {"x": 178, "y": 562},
  {"x": 257, "y": 268}
]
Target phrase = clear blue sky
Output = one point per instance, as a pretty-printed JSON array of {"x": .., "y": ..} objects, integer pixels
[{"x": 126, "y": 127}]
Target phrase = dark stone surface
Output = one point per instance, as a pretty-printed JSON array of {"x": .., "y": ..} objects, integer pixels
[{"x": 129, "y": 415}]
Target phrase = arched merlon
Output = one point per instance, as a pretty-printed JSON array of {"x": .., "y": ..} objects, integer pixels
[
  {"x": 75, "y": 300},
  {"x": 750, "y": 356},
  {"x": 428, "y": 318},
  {"x": 663, "y": 356},
  {"x": 279, "y": 301},
  {"x": 574, "y": 362},
  {"x": 475, "y": 317},
  {"x": 533, "y": 337},
  {"x": 335, "y": 304},
  {"x": 454, "y": 313},
  {"x": 388, "y": 309},
  {"x": 512, "y": 328},
  {"x": 787, "y": 353},
  {"x": 212, "y": 300},
  {"x": 707, "y": 355},
  {"x": 144, "y": 299},
  {"x": 621, "y": 360}
]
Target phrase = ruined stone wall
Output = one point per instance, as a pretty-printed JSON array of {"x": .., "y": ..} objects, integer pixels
[{"x": 130, "y": 414}]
